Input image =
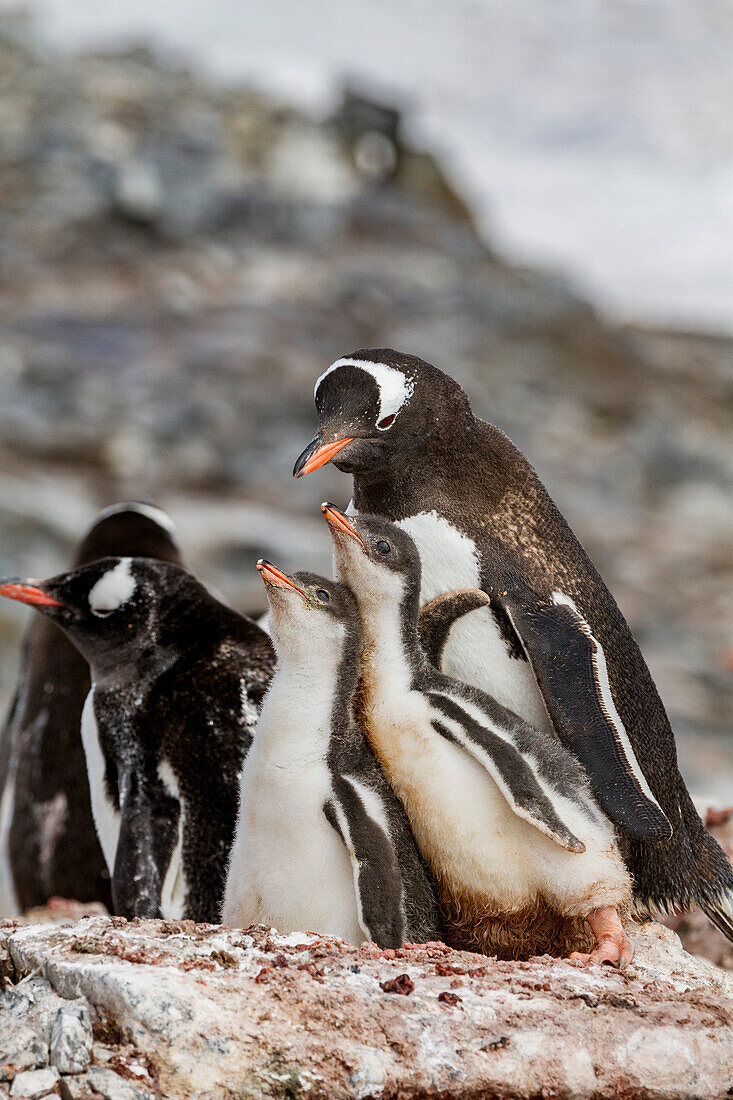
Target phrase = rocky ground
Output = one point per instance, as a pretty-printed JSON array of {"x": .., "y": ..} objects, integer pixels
[
  {"x": 135, "y": 1011},
  {"x": 96, "y": 1006}
]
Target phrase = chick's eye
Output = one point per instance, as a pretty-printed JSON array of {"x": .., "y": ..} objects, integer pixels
[
  {"x": 323, "y": 595},
  {"x": 386, "y": 421},
  {"x": 383, "y": 547}
]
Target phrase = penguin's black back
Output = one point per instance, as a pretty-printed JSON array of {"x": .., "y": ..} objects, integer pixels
[{"x": 52, "y": 841}]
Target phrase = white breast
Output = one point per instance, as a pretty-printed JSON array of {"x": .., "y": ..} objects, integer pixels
[
  {"x": 288, "y": 867},
  {"x": 476, "y": 652},
  {"x": 9, "y": 906},
  {"x": 106, "y": 815}
]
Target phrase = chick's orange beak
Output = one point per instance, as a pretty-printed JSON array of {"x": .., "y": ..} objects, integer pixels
[
  {"x": 275, "y": 577},
  {"x": 317, "y": 454},
  {"x": 338, "y": 521},
  {"x": 28, "y": 593}
]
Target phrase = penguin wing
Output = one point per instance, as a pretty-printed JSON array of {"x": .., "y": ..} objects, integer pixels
[
  {"x": 438, "y": 616},
  {"x": 489, "y": 734},
  {"x": 570, "y": 667},
  {"x": 148, "y": 831},
  {"x": 359, "y": 817}
]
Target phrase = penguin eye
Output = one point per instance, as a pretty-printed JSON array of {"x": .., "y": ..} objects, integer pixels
[
  {"x": 386, "y": 421},
  {"x": 323, "y": 595},
  {"x": 383, "y": 548},
  {"x": 102, "y": 614}
]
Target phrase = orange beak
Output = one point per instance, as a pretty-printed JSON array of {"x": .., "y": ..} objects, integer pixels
[
  {"x": 275, "y": 577},
  {"x": 337, "y": 521},
  {"x": 318, "y": 454},
  {"x": 27, "y": 593}
]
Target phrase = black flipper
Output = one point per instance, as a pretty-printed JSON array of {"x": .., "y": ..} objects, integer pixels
[
  {"x": 148, "y": 835},
  {"x": 570, "y": 667},
  {"x": 377, "y": 876},
  {"x": 507, "y": 765},
  {"x": 438, "y": 616}
]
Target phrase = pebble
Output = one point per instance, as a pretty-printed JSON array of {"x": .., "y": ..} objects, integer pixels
[
  {"x": 75, "y": 1088},
  {"x": 71, "y": 1039},
  {"x": 113, "y": 1087},
  {"x": 34, "y": 1083}
]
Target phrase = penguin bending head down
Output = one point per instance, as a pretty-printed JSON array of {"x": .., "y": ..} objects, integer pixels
[
  {"x": 177, "y": 682},
  {"x": 502, "y": 813},
  {"x": 322, "y": 843},
  {"x": 48, "y": 842},
  {"x": 553, "y": 645}
]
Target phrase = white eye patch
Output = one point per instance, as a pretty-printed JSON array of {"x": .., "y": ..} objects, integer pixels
[
  {"x": 395, "y": 389},
  {"x": 113, "y": 589}
]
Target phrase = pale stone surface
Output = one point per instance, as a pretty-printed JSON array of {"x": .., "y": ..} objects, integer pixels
[
  {"x": 71, "y": 1039},
  {"x": 192, "y": 1009},
  {"x": 34, "y": 1083},
  {"x": 113, "y": 1086}
]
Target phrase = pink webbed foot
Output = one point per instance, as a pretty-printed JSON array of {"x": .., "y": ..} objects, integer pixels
[{"x": 613, "y": 946}]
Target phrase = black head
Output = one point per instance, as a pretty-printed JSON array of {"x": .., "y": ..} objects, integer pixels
[
  {"x": 137, "y": 529},
  {"x": 116, "y": 611},
  {"x": 309, "y": 613},
  {"x": 377, "y": 406},
  {"x": 378, "y": 560}
]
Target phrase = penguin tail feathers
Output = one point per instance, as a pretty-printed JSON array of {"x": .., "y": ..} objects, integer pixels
[{"x": 720, "y": 912}]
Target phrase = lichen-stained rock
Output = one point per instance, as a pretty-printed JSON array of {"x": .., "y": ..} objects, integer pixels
[
  {"x": 216, "y": 1012},
  {"x": 71, "y": 1039}
]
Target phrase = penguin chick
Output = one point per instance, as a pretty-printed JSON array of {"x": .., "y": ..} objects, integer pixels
[
  {"x": 502, "y": 813},
  {"x": 48, "y": 843},
  {"x": 322, "y": 842},
  {"x": 177, "y": 682}
]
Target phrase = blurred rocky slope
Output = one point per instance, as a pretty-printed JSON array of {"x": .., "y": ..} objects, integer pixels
[{"x": 179, "y": 262}]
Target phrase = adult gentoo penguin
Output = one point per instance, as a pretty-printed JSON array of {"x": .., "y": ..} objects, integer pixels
[
  {"x": 322, "y": 842},
  {"x": 177, "y": 681},
  {"x": 553, "y": 646},
  {"x": 503, "y": 814},
  {"x": 48, "y": 843}
]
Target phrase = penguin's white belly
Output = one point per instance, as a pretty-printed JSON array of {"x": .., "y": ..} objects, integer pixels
[
  {"x": 475, "y": 652},
  {"x": 106, "y": 815},
  {"x": 467, "y": 832},
  {"x": 9, "y": 905},
  {"x": 289, "y": 868}
]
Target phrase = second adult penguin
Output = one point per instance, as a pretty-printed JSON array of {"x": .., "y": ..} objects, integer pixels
[
  {"x": 177, "y": 682},
  {"x": 48, "y": 842},
  {"x": 322, "y": 843}
]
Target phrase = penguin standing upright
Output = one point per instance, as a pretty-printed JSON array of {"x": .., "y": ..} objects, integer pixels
[
  {"x": 322, "y": 842},
  {"x": 177, "y": 682},
  {"x": 501, "y": 811},
  {"x": 553, "y": 646},
  {"x": 48, "y": 842}
]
